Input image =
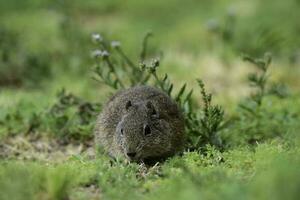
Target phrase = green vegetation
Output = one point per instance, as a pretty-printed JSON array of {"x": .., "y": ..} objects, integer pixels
[{"x": 61, "y": 60}]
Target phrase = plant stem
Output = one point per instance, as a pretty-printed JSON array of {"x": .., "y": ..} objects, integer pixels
[{"x": 112, "y": 69}]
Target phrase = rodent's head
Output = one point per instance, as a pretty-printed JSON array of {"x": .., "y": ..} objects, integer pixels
[{"x": 142, "y": 133}]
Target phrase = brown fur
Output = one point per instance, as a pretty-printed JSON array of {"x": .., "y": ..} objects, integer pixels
[{"x": 141, "y": 120}]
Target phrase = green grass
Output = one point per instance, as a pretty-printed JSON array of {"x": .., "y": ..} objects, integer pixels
[
  {"x": 269, "y": 171},
  {"x": 46, "y": 135}
]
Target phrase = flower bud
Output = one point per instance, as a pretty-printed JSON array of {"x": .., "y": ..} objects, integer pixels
[
  {"x": 142, "y": 66},
  {"x": 155, "y": 63}
]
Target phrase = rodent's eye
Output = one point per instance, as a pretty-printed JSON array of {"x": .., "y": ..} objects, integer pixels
[
  {"x": 151, "y": 108},
  {"x": 147, "y": 130},
  {"x": 128, "y": 105},
  {"x": 122, "y": 131}
]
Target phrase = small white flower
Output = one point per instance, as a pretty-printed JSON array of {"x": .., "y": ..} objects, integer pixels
[
  {"x": 105, "y": 54},
  {"x": 97, "y": 53},
  {"x": 115, "y": 44},
  {"x": 97, "y": 37}
]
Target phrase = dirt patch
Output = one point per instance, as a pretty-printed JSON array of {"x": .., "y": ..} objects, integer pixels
[{"x": 42, "y": 149}]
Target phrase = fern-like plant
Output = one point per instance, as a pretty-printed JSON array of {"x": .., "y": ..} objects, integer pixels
[{"x": 115, "y": 69}]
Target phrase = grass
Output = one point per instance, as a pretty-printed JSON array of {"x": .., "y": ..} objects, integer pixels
[
  {"x": 243, "y": 126},
  {"x": 241, "y": 172}
]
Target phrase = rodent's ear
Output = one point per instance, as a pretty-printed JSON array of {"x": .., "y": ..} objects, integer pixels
[
  {"x": 128, "y": 105},
  {"x": 151, "y": 108}
]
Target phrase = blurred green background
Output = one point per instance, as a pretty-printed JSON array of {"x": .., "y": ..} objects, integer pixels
[
  {"x": 46, "y": 41},
  {"x": 47, "y": 93}
]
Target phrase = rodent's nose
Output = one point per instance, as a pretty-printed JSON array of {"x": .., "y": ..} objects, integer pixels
[{"x": 131, "y": 154}]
